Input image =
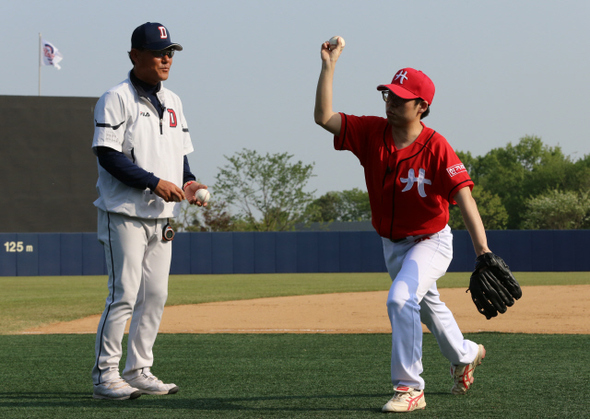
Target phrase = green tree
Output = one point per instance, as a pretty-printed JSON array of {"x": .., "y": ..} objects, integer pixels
[
  {"x": 559, "y": 210},
  {"x": 217, "y": 217},
  {"x": 580, "y": 178},
  {"x": 518, "y": 172},
  {"x": 493, "y": 214},
  {"x": 267, "y": 191},
  {"x": 355, "y": 205},
  {"x": 471, "y": 163},
  {"x": 349, "y": 205},
  {"x": 324, "y": 209}
]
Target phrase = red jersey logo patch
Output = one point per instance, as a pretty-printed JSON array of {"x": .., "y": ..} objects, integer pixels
[
  {"x": 173, "y": 122},
  {"x": 456, "y": 169}
]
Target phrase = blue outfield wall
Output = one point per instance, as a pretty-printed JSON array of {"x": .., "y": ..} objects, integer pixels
[{"x": 51, "y": 254}]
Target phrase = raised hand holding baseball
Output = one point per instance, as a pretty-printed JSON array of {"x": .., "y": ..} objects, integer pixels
[
  {"x": 332, "y": 49},
  {"x": 335, "y": 41}
]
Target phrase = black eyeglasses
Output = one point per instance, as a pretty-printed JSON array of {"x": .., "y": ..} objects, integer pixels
[
  {"x": 396, "y": 100},
  {"x": 161, "y": 53},
  {"x": 386, "y": 95}
]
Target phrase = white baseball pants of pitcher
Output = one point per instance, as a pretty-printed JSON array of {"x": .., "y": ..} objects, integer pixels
[
  {"x": 138, "y": 262},
  {"x": 414, "y": 265}
]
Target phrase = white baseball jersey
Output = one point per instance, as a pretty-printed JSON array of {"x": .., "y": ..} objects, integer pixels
[{"x": 130, "y": 124}]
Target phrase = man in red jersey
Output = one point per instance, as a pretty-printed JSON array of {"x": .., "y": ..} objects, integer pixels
[{"x": 412, "y": 174}]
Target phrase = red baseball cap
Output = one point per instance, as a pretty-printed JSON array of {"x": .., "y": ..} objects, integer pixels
[{"x": 411, "y": 84}]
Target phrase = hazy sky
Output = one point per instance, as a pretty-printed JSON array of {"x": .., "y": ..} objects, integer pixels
[{"x": 248, "y": 72}]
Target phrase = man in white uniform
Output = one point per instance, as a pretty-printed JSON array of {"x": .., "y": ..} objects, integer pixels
[{"x": 141, "y": 141}]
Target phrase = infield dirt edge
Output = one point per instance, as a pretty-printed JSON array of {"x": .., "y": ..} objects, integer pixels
[{"x": 542, "y": 309}]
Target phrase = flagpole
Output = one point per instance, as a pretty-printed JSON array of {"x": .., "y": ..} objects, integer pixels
[{"x": 40, "y": 63}]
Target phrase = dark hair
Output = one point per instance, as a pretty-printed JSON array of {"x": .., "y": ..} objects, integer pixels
[{"x": 426, "y": 112}]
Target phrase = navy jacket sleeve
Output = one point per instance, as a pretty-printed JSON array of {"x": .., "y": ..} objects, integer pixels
[
  {"x": 124, "y": 170},
  {"x": 187, "y": 175},
  {"x": 130, "y": 174}
]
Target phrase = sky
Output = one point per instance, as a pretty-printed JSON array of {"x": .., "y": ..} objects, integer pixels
[{"x": 249, "y": 69}]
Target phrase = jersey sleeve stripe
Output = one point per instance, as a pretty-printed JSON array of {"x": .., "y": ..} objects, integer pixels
[
  {"x": 105, "y": 125},
  {"x": 456, "y": 189}
]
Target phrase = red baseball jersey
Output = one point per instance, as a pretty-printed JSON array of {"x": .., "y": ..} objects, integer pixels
[{"x": 409, "y": 189}]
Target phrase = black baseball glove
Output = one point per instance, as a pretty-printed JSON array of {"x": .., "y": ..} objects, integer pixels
[{"x": 492, "y": 285}]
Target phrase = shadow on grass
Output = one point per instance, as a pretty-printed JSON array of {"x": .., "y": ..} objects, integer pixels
[{"x": 317, "y": 403}]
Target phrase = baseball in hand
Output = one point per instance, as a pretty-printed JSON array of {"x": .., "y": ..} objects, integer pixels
[
  {"x": 203, "y": 196},
  {"x": 334, "y": 41}
]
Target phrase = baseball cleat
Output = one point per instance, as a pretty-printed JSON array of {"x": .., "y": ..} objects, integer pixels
[
  {"x": 115, "y": 390},
  {"x": 463, "y": 374},
  {"x": 405, "y": 399},
  {"x": 148, "y": 383}
]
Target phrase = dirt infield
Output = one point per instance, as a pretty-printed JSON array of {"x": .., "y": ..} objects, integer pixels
[{"x": 542, "y": 309}]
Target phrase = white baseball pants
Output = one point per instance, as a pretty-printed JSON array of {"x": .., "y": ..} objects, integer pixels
[
  {"x": 414, "y": 265},
  {"x": 138, "y": 262}
]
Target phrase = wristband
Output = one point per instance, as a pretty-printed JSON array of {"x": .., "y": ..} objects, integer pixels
[{"x": 187, "y": 183}]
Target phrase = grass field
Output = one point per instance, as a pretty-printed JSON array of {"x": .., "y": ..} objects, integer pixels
[
  {"x": 297, "y": 376},
  {"x": 280, "y": 375}
]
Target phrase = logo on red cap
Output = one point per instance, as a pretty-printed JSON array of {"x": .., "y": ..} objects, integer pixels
[{"x": 401, "y": 75}]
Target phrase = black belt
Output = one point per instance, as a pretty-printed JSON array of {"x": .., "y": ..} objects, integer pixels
[{"x": 419, "y": 236}]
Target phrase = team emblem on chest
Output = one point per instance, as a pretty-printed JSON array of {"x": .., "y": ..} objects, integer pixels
[
  {"x": 420, "y": 181},
  {"x": 172, "y": 114}
]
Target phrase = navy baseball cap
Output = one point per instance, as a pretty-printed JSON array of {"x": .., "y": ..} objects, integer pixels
[{"x": 153, "y": 36}]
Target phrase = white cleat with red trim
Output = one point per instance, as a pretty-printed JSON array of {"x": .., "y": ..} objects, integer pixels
[
  {"x": 405, "y": 399},
  {"x": 463, "y": 374}
]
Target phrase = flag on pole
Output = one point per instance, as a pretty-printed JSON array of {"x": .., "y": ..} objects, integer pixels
[{"x": 50, "y": 55}]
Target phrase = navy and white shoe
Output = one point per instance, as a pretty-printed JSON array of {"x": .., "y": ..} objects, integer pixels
[
  {"x": 117, "y": 389},
  {"x": 148, "y": 383}
]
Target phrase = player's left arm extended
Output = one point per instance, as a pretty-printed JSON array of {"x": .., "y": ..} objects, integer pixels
[
  {"x": 472, "y": 220},
  {"x": 493, "y": 287}
]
